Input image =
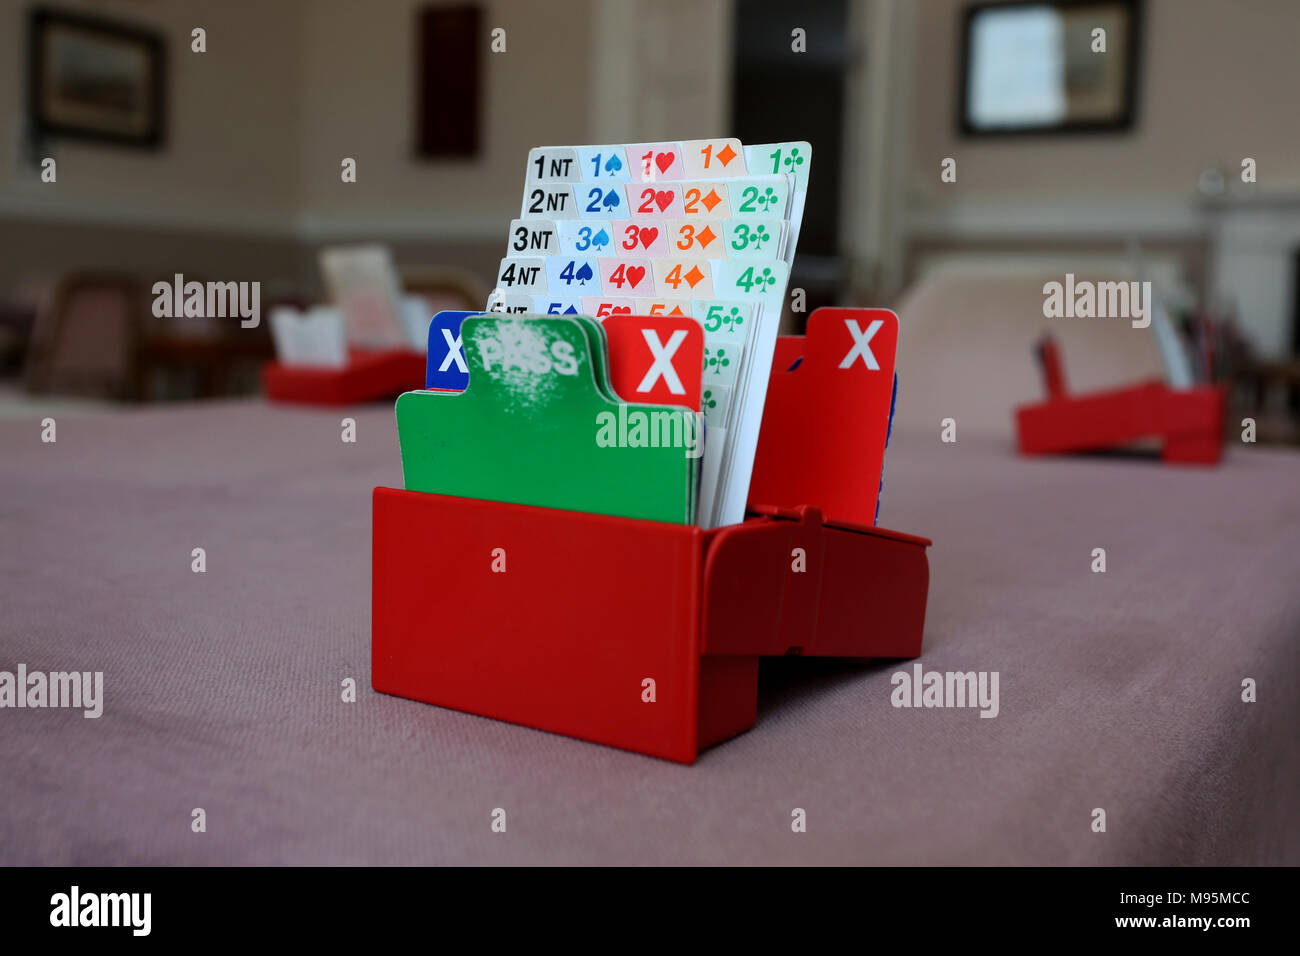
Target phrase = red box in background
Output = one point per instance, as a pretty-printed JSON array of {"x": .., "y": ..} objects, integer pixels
[
  {"x": 368, "y": 376},
  {"x": 1188, "y": 422}
]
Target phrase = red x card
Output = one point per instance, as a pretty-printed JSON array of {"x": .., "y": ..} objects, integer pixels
[
  {"x": 656, "y": 358},
  {"x": 826, "y": 420}
]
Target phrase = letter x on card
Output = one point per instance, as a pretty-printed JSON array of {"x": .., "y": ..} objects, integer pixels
[
  {"x": 446, "y": 370},
  {"x": 656, "y": 358}
]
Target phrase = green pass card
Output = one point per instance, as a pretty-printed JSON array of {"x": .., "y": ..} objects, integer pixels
[{"x": 538, "y": 425}]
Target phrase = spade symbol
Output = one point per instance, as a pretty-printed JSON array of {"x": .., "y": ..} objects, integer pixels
[
  {"x": 611, "y": 200},
  {"x": 570, "y": 311},
  {"x": 613, "y": 165},
  {"x": 583, "y": 274},
  {"x": 600, "y": 240}
]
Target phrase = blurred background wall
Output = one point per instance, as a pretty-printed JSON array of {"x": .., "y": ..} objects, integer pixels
[{"x": 246, "y": 184}]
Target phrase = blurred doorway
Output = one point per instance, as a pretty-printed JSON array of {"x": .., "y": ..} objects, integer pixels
[{"x": 780, "y": 95}]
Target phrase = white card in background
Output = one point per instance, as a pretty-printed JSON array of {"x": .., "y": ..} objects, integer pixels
[
  {"x": 415, "y": 319},
  {"x": 364, "y": 285},
  {"x": 311, "y": 340}
]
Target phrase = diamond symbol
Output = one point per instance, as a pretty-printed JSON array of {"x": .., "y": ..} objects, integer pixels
[
  {"x": 694, "y": 276},
  {"x": 706, "y": 235},
  {"x": 726, "y": 154},
  {"x": 711, "y": 200}
]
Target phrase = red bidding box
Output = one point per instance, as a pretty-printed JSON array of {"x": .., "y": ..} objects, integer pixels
[
  {"x": 590, "y": 609},
  {"x": 367, "y": 376},
  {"x": 1189, "y": 422}
]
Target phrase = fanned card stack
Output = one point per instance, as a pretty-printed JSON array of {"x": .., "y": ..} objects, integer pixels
[{"x": 694, "y": 240}]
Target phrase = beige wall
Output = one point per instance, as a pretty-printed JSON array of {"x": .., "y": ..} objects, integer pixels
[
  {"x": 231, "y": 134},
  {"x": 247, "y": 185},
  {"x": 1217, "y": 81},
  {"x": 356, "y": 88}
]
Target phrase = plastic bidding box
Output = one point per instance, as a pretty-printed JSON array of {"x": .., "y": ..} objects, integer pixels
[
  {"x": 642, "y": 635},
  {"x": 368, "y": 376},
  {"x": 1188, "y": 422}
]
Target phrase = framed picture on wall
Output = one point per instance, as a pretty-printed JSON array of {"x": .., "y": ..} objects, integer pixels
[
  {"x": 1049, "y": 66},
  {"x": 94, "y": 79},
  {"x": 449, "y": 90}
]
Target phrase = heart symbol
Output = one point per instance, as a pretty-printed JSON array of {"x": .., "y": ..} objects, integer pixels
[
  {"x": 611, "y": 199},
  {"x": 613, "y": 164},
  {"x": 600, "y": 240},
  {"x": 663, "y": 161},
  {"x": 583, "y": 274},
  {"x": 648, "y": 236},
  {"x": 621, "y": 310},
  {"x": 664, "y": 199},
  {"x": 634, "y": 274}
]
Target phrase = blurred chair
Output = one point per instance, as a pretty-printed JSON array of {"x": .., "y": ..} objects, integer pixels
[
  {"x": 87, "y": 342},
  {"x": 445, "y": 288}
]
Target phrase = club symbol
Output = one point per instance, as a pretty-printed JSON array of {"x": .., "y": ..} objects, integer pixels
[
  {"x": 716, "y": 360},
  {"x": 734, "y": 319},
  {"x": 760, "y": 236},
  {"x": 793, "y": 160},
  {"x": 766, "y": 278},
  {"x": 707, "y": 400},
  {"x": 768, "y": 198}
]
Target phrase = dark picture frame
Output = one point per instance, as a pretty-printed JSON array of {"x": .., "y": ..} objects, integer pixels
[
  {"x": 449, "y": 81},
  {"x": 1122, "y": 121},
  {"x": 95, "y": 79}
]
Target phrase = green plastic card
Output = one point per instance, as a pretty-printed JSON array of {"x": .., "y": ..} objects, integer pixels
[{"x": 538, "y": 426}]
